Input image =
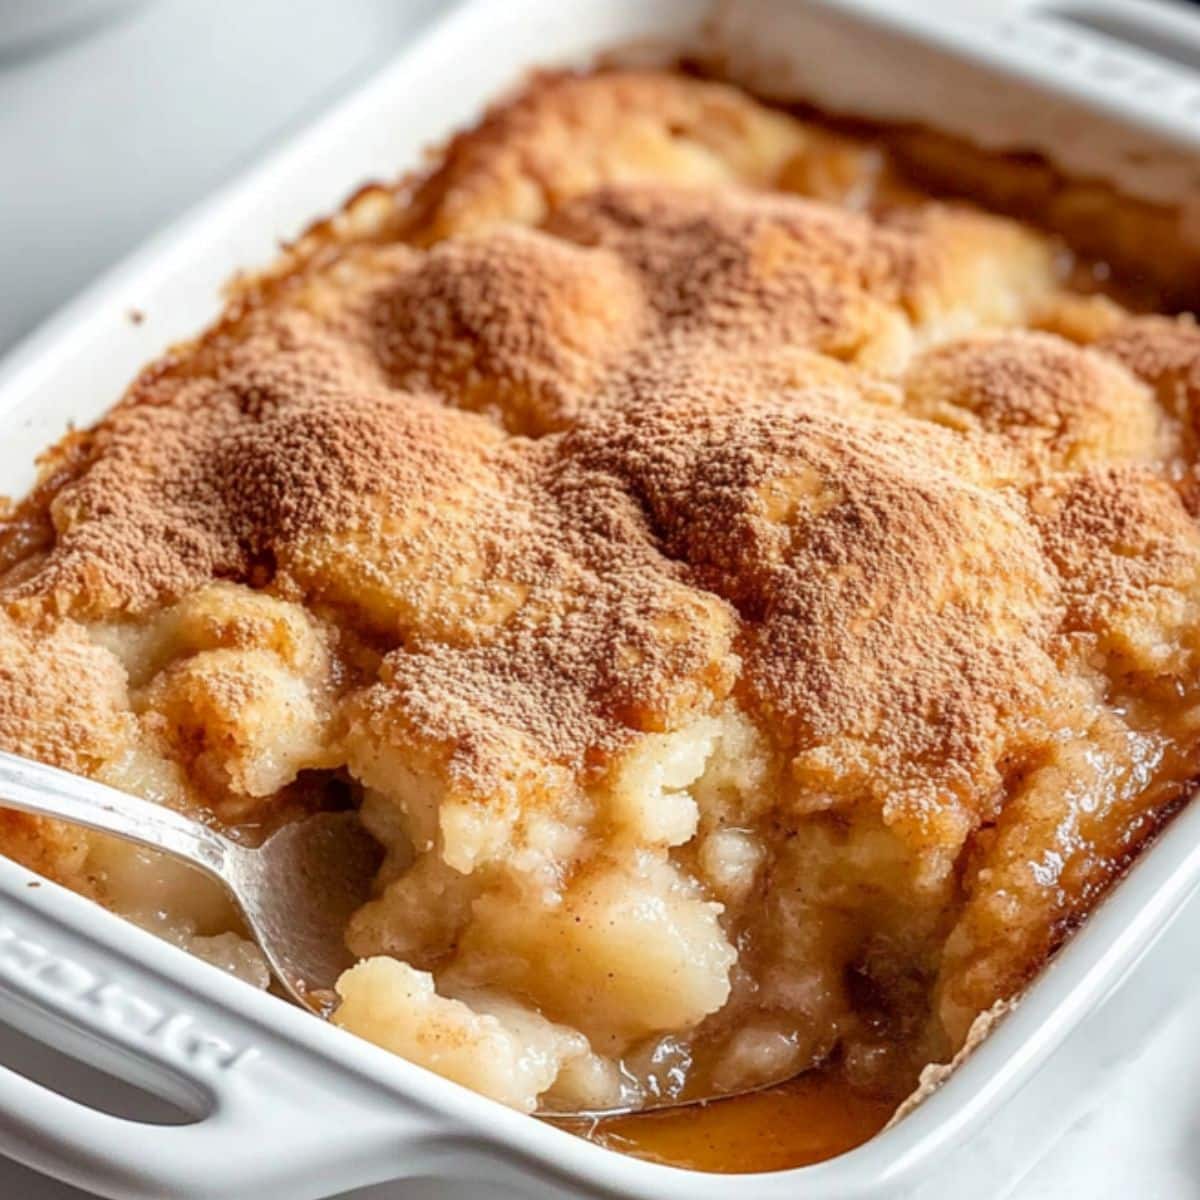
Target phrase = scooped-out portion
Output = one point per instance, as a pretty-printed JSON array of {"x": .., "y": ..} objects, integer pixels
[{"x": 754, "y": 604}]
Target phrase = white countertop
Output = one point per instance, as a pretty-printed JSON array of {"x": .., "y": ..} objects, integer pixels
[{"x": 106, "y": 137}]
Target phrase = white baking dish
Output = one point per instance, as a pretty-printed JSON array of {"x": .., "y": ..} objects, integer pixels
[{"x": 286, "y": 1106}]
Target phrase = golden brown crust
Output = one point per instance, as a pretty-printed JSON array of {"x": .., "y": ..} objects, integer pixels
[
  {"x": 1058, "y": 404},
  {"x": 62, "y": 698},
  {"x": 300, "y": 457},
  {"x": 63, "y": 701},
  {"x": 514, "y": 324},
  {"x": 563, "y": 135},
  {"x": 1166, "y": 354}
]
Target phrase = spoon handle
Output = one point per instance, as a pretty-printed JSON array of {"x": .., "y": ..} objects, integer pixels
[{"x": 33, "y": 787}]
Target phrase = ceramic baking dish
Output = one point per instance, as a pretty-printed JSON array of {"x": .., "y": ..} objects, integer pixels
[{"x": 277, "y": 1104}]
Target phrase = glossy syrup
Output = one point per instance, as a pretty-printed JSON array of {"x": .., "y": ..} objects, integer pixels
[{"x": 808, "y": 1120}]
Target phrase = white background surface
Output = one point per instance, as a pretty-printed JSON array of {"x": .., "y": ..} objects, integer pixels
[{"x": 106, "y": 137}]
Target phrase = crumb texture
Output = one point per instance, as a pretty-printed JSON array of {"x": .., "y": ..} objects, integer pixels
[{"x": 754, "y": 604}]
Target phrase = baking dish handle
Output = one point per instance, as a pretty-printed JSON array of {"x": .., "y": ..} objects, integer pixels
[
  {"x": 272, "y": 1149},
  {"x": 131, "y": 1160},
  {"x": 275, "y": 1114}
]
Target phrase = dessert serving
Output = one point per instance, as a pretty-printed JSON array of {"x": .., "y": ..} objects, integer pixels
[{"x": 753, "y": 602}]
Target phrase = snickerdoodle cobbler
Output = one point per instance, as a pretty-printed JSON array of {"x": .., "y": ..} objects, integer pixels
[{"x": 755, "y": 604}]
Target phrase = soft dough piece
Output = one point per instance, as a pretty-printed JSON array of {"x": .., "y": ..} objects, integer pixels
[{"x": 513, "y": 1060}]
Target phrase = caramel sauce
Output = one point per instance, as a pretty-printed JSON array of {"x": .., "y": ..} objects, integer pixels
[{"x": 805, "y": 1121}]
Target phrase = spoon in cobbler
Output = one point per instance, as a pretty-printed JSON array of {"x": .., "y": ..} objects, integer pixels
[{"x": 296, "y": 891}]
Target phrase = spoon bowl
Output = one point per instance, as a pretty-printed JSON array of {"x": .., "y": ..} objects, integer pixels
[{"x": 296, "y": 891}]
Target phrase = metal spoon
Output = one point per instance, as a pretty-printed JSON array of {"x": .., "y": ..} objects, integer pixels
[{"x": 296, "y": 891}]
